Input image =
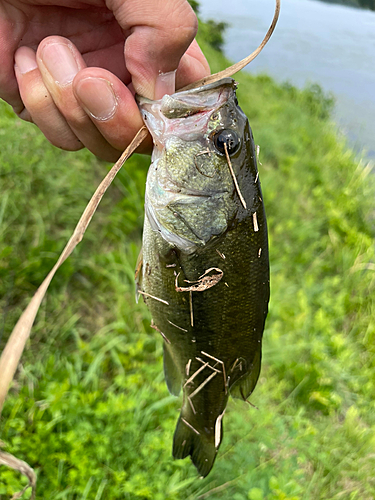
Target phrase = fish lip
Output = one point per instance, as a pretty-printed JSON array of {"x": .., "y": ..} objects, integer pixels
[
  {"x": 197, "y": 194},
  {"x": 210, "y": 86}
]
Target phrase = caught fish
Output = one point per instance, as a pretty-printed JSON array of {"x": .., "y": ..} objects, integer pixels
[{"x": 204, "y": 270}]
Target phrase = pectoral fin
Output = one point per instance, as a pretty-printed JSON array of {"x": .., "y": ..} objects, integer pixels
[{"x": 171, "y": 373}]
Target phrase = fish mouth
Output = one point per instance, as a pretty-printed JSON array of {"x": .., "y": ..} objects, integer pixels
[
  {"x": 187, "y": 97},
  {"x": 175, "y": 114}
]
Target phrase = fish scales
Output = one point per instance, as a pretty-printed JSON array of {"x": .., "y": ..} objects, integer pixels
[{"x": 196, "y": 222}]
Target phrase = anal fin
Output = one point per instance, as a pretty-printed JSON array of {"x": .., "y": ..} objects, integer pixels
[{"x": 245, "y": 385}]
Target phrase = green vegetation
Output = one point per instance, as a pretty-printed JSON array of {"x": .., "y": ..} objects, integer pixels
[
  {"x": 365, "y": 4},
  {"x": 195, "y": 5},
  {"x": 90, "y": 410},
  {"x": 212, "y": 32}
]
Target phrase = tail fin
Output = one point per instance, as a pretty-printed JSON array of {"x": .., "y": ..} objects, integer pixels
[{"x": 201, "y": 448}]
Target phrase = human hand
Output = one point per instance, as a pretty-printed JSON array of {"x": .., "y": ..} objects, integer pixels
[{"x": 77, "y": 65}]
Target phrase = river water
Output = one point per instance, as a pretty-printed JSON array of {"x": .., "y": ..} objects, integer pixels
[{"x": 314, "y": 41}]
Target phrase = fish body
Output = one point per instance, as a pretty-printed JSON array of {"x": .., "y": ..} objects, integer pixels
[{"x": 204, "y": 272}]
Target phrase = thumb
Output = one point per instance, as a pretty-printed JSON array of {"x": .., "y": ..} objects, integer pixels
[{"x": 158, "y": 34}]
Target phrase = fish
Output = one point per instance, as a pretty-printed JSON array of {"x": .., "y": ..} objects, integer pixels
[{"x": 203, "y": 271}]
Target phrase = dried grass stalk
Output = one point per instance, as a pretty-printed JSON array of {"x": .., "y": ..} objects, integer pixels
[
  {"x": 22, "y": 467},
  {"x": 203, "y": 283},
  {"x": 13, "y": 350},
  {"x": 241, "y": 64}
]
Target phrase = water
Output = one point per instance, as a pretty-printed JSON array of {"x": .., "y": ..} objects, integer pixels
[{"x": 314, "y": 41}]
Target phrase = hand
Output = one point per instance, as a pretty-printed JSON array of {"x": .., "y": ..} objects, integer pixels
[{"x": 79, "y": 90}]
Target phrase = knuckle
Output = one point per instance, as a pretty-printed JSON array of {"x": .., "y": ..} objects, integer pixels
[
  {"x": 181, "y": 29},
  {"x": 24, "y": 115},
  {"x": 191, "y": 24},
  {"x": 66, "y": 141},
  {"x": 37, "y": 99},
  {"x": 75, "y": 116}
]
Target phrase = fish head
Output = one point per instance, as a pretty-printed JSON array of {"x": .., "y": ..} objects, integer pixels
[{"x": 190, "y": 191}]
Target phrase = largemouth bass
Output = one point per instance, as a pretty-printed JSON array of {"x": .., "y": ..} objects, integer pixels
[{"x": 204, "y": 272}]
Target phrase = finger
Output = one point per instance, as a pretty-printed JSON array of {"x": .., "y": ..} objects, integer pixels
[
  {"x": 111, "y": 107},
  {"x": 98, "y": 107},
  {"x": 110, "y": 58},
  {"x": 160, "y": 33},
  {"x": 193, "y": 66},
  {"x": 38, "y": 105},
  {"x": 59, "y": 62},
  {"x": 9, "y": 32}
]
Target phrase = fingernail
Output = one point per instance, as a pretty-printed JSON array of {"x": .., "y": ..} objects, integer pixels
[
  {"x": 97, "y": 97},
  {"x": 25, "y": 60},
  {"x": 59, "y": 60},
  {"x": 165, "y": 84}
]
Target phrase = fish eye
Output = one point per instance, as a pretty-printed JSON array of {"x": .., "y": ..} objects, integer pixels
[{"x": 228, "y": 137}]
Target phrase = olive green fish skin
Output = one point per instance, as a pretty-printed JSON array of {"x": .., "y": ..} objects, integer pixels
[{"x": 213, "y": 337}]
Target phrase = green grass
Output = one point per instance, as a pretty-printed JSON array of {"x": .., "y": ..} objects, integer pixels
[{"x": 90, "y": 410}]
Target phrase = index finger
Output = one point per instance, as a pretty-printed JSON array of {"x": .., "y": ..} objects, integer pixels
[{"x": 160, "y": 33}]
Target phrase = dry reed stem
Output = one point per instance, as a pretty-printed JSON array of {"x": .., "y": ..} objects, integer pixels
[
  {"x": 241, "y": 64},
  {"x": 208, "y": 365},
  {"x": 221, "y": 254},
  {"x": 191, "y": 308},
  {"x": 222, "y": 364},
  {"x": 203, "y": 283},
  {"x": 161, "y": 333},
  {"x": 199, "y": 388},
  {"x": 242, "y": 199},
  {"x": 13, "y": 350},
  {"x": 22, "y": 467},
  {"x": 195, "y": 374},
  {"x": 189, "y": 425},
  {"x": 153, "y": 297},
  {"x": 255, "y": 222},
  {"x": 192, "y": 406},
  {"x": 179, "y": 327}
]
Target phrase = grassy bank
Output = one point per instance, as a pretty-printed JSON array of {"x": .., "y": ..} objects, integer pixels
[
  {"x": 90, "y": 410},
  {"x": 364, "y": 4}
]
